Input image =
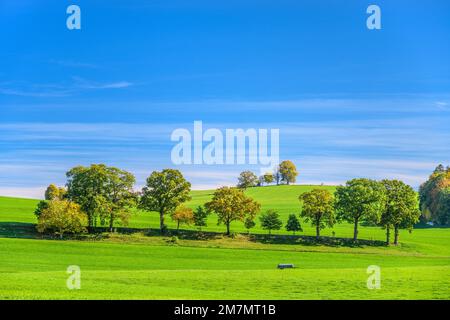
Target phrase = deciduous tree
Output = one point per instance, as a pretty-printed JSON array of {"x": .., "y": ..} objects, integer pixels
[
  {"x": 360, "y": 200},
  {"x": 55, "y": 193},
  {"x": 318, "y": 208},
  {"x": 249, "y": 224},
  {"x": 102, "y": 192},
  {"x": 288, "y": 172},
  {"x": 231, "y": 204},
  {"x": 119, "y": 197},
  {"x": 401, "y": 210},
  {"x": 247, "y": 179},
  {"x": 270, "y": 220},
  {"x": 293, "y": 224},
  {"x": 182, "y": 215},
  {"x": 268, "y": 178},
  {"x": 61, "y": 217},
  {"x": 200, "y": 217},
  {"x": 86, "y": 186},
  {"x": 434, "y": 196},
  {"x": 164, "y": 192}
]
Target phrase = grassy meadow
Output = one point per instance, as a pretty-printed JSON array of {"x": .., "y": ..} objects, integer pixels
[{"x": 140, "y": 264}]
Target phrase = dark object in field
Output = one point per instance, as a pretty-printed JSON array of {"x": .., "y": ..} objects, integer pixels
[{"x": 285, "y": 266}]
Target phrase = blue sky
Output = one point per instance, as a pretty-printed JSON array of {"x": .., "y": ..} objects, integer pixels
[{"x": 349, "y": 102}]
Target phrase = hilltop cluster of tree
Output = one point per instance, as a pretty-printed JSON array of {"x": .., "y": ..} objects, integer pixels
[
  {"x": 285, "y": 173},
  {"x": 105, "y": 195}
]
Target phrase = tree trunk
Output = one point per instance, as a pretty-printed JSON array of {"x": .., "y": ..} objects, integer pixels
[
  {"x": 396, "y": 235},
  {"x": 161, "y": 222},
  {"x": 111, "y": 223},
  {"x": 317, "y": 232},
  {"x": 228, "y": 228},
  {"x": 90, "y": 224},
  {"x": 178, "y": 225},
  {"x": 355, "y": 231},
  {"x": 388, "y": 235}
]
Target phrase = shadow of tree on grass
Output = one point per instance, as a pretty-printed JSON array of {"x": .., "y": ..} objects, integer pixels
[{"x": 28, "y": 231}]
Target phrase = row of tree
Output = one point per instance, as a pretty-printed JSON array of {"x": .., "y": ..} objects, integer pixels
[
  {"x": 105, "y": 194},
  {"x": 390, "y": 204},
  {"x": 285, "y": 173}
]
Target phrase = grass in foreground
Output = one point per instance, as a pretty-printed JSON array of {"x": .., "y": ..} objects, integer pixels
[{"x": 139, "y": 266}]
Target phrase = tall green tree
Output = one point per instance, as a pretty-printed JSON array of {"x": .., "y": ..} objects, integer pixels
[
  {"x": 164, "y": 192},
  {"x": 119, "y": 196},
  {"x": 247, "y": 179},
  {"x": 401, "y": 210},
  {"x": 249, "y": 223},
  {"x": 293, "y": 224},
  {"x": 270, "y": 220},
  {"x": 86, "y": 187},
  {"x": 102, "y": 192},
  {"x": 288, "y": 172},
  {"x": 231, "y": 204},
  {"x": 434, "y": 197},
  {"x": 360, "y": 200},
  {"x": 200, "y": 217},
  {"x": 318, "y": 208}
]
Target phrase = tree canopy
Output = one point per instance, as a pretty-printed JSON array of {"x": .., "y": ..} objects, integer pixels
[
  {"x": 293, "y": 224},
  {"x": 288, "y": 172},
  {"x": 231, "y": 204},
  {"x": 55, "y": 193},
  {"x": 268, "y": 178},
  {"x": 318, "y": 208},
  {"x": 402, "y": 208},
  {"x": 247, "y": 179},
  {"x": 102, "y": 192},
  {"x": 270, "y": 220},
  {"x": 182, "y": 215},
  {"x": 164, "y": 192},
  {"x": 435, "y": 196},
  {"x": 200, "y": 216},
  {"x": 360, "y": 200},
  {"x": 61, "y": 217}
]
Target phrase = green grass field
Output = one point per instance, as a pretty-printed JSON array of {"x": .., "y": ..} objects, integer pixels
[{"x": 145, "y": 266}]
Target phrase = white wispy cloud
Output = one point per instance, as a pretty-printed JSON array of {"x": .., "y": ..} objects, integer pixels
[
  {"x": 76, "y": 86},
  {"x": 341, "y": 141},
  {"x": 74, "y": 64},
  {"x": 81, "y": 83},
  {"x": 445, "y": 106}
]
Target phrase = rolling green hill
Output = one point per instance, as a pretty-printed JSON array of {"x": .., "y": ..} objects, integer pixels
[{"x": 143, "y": 266}]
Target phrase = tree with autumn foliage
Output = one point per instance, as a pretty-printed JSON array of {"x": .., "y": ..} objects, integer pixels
[
  {"x": 231, "y": 204},
  {"x": 288, "y": 172},
  {"x": 182, "y": 215},
  {"x": 435, "y": 196}
]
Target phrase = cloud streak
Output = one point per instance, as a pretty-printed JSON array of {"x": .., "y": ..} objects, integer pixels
[{"x": 77, "y": 86}]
